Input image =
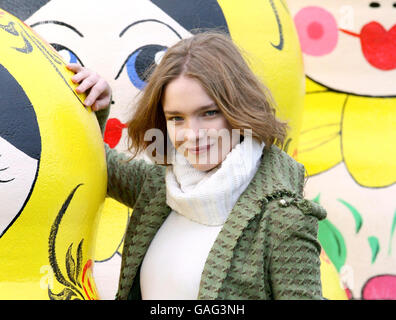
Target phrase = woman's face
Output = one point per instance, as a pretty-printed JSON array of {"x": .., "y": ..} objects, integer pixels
[{"x": 196, "y": 126}]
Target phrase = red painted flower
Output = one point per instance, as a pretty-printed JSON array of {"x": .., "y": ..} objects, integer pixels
[{"x": 382, "y": 287}]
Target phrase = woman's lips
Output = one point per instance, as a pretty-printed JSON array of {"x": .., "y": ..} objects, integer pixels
[{"x": 199, "y": 149}]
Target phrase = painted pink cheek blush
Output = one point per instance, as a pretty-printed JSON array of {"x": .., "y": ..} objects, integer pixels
[{"x": 317, "y": 30}]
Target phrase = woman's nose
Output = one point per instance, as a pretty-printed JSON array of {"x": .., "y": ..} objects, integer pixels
[{"x": 193, "y": 130}]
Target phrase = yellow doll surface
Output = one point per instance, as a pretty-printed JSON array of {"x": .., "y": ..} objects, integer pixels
[
  {"x": 53, "y": 173},
  {"x": 265, "y": 31},
  {"x": 340, "y": 127},
  {"x": 332, "y": 288}
]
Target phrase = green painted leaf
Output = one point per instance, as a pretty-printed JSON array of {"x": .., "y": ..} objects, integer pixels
[
  {"x": 375, "y": 247},
  {"x": 331, "y": 240},
  {"x": 317, "y": 199},
  {"x": 391, "y": 234},
  {"x": 333, "y": 243},
  {"x": 356, "y": 215}
]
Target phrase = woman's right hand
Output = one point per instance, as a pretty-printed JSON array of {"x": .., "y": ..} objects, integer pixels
[{"x": 97, "y": 89}]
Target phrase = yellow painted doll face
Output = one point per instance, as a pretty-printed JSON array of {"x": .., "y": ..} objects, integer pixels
[{"x": 349, "y": 45}]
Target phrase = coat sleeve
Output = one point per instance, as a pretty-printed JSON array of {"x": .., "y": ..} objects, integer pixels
[
  {"x": 295, "y": 259},
  {"x": 125, "y": 177}
]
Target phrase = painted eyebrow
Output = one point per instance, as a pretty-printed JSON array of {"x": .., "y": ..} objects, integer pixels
[
  {"x": 148, "y": 20},
  {"x": 203, "y": 108},
  {"x": 63, "y": 24}
]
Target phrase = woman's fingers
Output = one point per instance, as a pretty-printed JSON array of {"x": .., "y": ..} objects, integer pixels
[
  {"x": 98, "y": 89},
  {"x": 99, "y": 92},
  {"x": 75, "y": 67},
  {"x": 101, "y": 104},
  {"x": 81, "y": 75},
  {"x": 87, "y": 83}
]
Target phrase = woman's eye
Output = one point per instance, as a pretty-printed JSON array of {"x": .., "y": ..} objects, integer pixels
[
  {"x": 138, "y": 63},
  {"x": 68, "y": 55},
  {"x": 175, "y": 119},
  {"x": 211, "y": 113}
]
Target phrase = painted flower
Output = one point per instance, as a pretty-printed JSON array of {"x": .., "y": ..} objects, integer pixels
[
  {"x": 88, "y": 282},
  {"x": 381, "y": 287}
]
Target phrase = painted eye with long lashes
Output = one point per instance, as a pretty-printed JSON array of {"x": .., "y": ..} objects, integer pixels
[
  {"x": 4, "y": 180},
  {"x": 138, "y": 63},
  {"x": 67, "y": 54}
]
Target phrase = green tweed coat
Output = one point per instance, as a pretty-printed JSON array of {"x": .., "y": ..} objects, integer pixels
[{"x": 267, "y": 248}]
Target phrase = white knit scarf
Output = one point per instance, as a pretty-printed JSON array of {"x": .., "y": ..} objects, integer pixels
[{"x": 208, "y": 197}]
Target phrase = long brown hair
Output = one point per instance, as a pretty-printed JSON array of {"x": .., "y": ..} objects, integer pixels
[{"x": 216, "y": 62}]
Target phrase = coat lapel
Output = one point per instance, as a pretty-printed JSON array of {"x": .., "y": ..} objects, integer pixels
[
  {"x": 152, "y": 217},
  {"x": 219, "y": 258}
]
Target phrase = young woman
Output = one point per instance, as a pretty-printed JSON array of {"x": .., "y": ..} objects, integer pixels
[{"x": 221, "y": 214}]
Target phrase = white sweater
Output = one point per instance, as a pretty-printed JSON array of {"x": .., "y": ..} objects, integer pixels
[{"x": 201, "y": 203}]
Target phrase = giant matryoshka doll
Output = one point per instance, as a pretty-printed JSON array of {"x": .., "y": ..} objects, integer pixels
[
  {"x": 50, "y": 189},
  {"x": 348, "y": 135}
]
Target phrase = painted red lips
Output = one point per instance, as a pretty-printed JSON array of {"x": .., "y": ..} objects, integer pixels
[
  {"x": 378, "y": 45},
  {"x": 113, "y": 132}
]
